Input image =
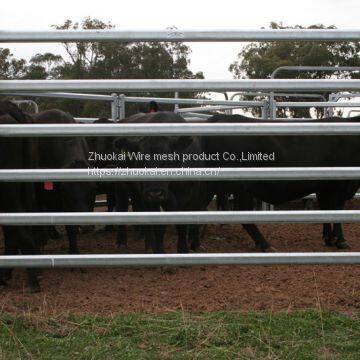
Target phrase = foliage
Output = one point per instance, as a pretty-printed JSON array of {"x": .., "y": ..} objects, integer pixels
[
  {"x": 259, "y": 60},
  {"x": 104, "y": 60},
  {"x": 10, "y": 67}
]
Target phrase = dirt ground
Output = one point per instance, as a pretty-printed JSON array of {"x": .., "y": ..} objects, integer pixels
[{"x": 202, "y": 288}]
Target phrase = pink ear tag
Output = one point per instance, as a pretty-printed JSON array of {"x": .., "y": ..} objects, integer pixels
[{"x": 49, "y": 186}]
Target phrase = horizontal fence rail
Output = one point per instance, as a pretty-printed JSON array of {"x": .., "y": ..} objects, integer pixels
[
  {"x": 180, "y": 101},
  {"x": 180, "y": 85},
  {"x": 62, "y": 95},
  {"x": 222, "y": 107},
  {"x": 181, "y": 35},
  {"x": 181, "y": 217},
  {"x": 184, "y": 174},
  {"x": 209, "y": 129},
  {"x": 132, "y": 99},
  {"x": 107, "y": 260},
  {"x": 317, "y": 104}
]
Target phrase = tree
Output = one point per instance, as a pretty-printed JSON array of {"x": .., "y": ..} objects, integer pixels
[
  {"x": 113, "y": 60},
  {"x": 101, "y": 60},
  {"x": 259, "y": 60},
  {"x": 10, "y": 67},
  {"x": 44, "y": 66}
]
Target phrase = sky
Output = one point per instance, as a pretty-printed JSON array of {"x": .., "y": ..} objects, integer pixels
[{"x": 211, "y": 58}]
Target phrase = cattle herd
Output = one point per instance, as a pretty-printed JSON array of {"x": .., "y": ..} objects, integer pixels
[{"x": 162, "y": 152}]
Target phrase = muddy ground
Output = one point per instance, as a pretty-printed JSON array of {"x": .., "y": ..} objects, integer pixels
[{"x": 202, "y": 288}]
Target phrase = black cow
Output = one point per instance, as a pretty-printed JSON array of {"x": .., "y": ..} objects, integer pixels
[
  {"x": 100, "y": 151},
  {"x": 305, "y": 151},
  {"x": 19, "y": 153},
  {"x": 64, "y": 153},
  {"x": 154, "y": 195}
]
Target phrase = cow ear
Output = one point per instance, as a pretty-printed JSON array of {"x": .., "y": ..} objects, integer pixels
[{"x": 181, "y": 142}]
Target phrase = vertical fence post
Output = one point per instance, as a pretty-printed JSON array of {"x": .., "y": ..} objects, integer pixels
[
  {"x": 265, "y": 110},
  {"x": 330, "y": 111},
  {"x": 114, "y": 107},
  {"x": 121, "y": 106},
  {"x": 176, "y": 96}
]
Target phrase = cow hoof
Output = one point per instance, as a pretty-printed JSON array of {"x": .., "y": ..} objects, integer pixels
[
  {"x": 329, "y": 242},
  {"x": 199, "y": 249},
  {"x": 270, "y": 249},
  {"x": 342, "y": 245},
  {"x": 263, "y": 247},
  {"x": 194, "y": 247},
  {"x": 120, "y": 245}
]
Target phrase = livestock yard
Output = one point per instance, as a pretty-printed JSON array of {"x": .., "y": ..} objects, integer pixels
[{"x": 148, "y": 211}]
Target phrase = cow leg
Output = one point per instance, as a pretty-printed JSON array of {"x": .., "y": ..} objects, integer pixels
[
  {"x": 324, "y": 204},
  {"x": 121, "y": 236},
  {"x": 24, "y": 237},
  {"x": 32, "y": 273},
  {"x": 182, "y": 246},
  {"x": 159, "y": 231},
  {"x": 122, "y": 205},
  {"x": 194, "y": 237},
  {"x": 328, "y": 235},
  {"x": 10, "y": 249},
  {"x": 111, "y": 206},
  {"x": 72, "y": 233},
  {"x": 154, "y": 238},
  {"x": 334, "y": 202},
  {"x": 338, "y": 236},
  {"x": 244, "y": 201},
  {"x": 255, "y": 234}
]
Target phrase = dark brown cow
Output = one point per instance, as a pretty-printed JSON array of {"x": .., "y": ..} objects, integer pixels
[
  {"x": 64, "y": 153},
  {"x": 18, "y": 153}
]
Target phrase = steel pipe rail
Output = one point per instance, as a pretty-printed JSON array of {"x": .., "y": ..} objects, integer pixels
[
  {"x": 317, "y": 104},
  {"x": 180, "y": 101},
  {"x": 353, "y": 111},
  {"x": 112, "y": 260},
  {"x": 187, "y": 35},
  {"x": 197, "y": 116},
  {"x": 315, "y": 96},
  {"x": 63, "y": 95},
  {"x": 181, "y": 217},
  {"x": 222, "y": 107},
  {"x": 175, "y": 174},
  {"x": 180, "y": 129},
  {"x": 179, "y": 85}
]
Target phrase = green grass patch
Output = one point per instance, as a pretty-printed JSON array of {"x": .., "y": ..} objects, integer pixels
[{"x": 221, "y": 335}]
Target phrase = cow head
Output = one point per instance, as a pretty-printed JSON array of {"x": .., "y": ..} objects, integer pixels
[{"x": 152, "y": 152}]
